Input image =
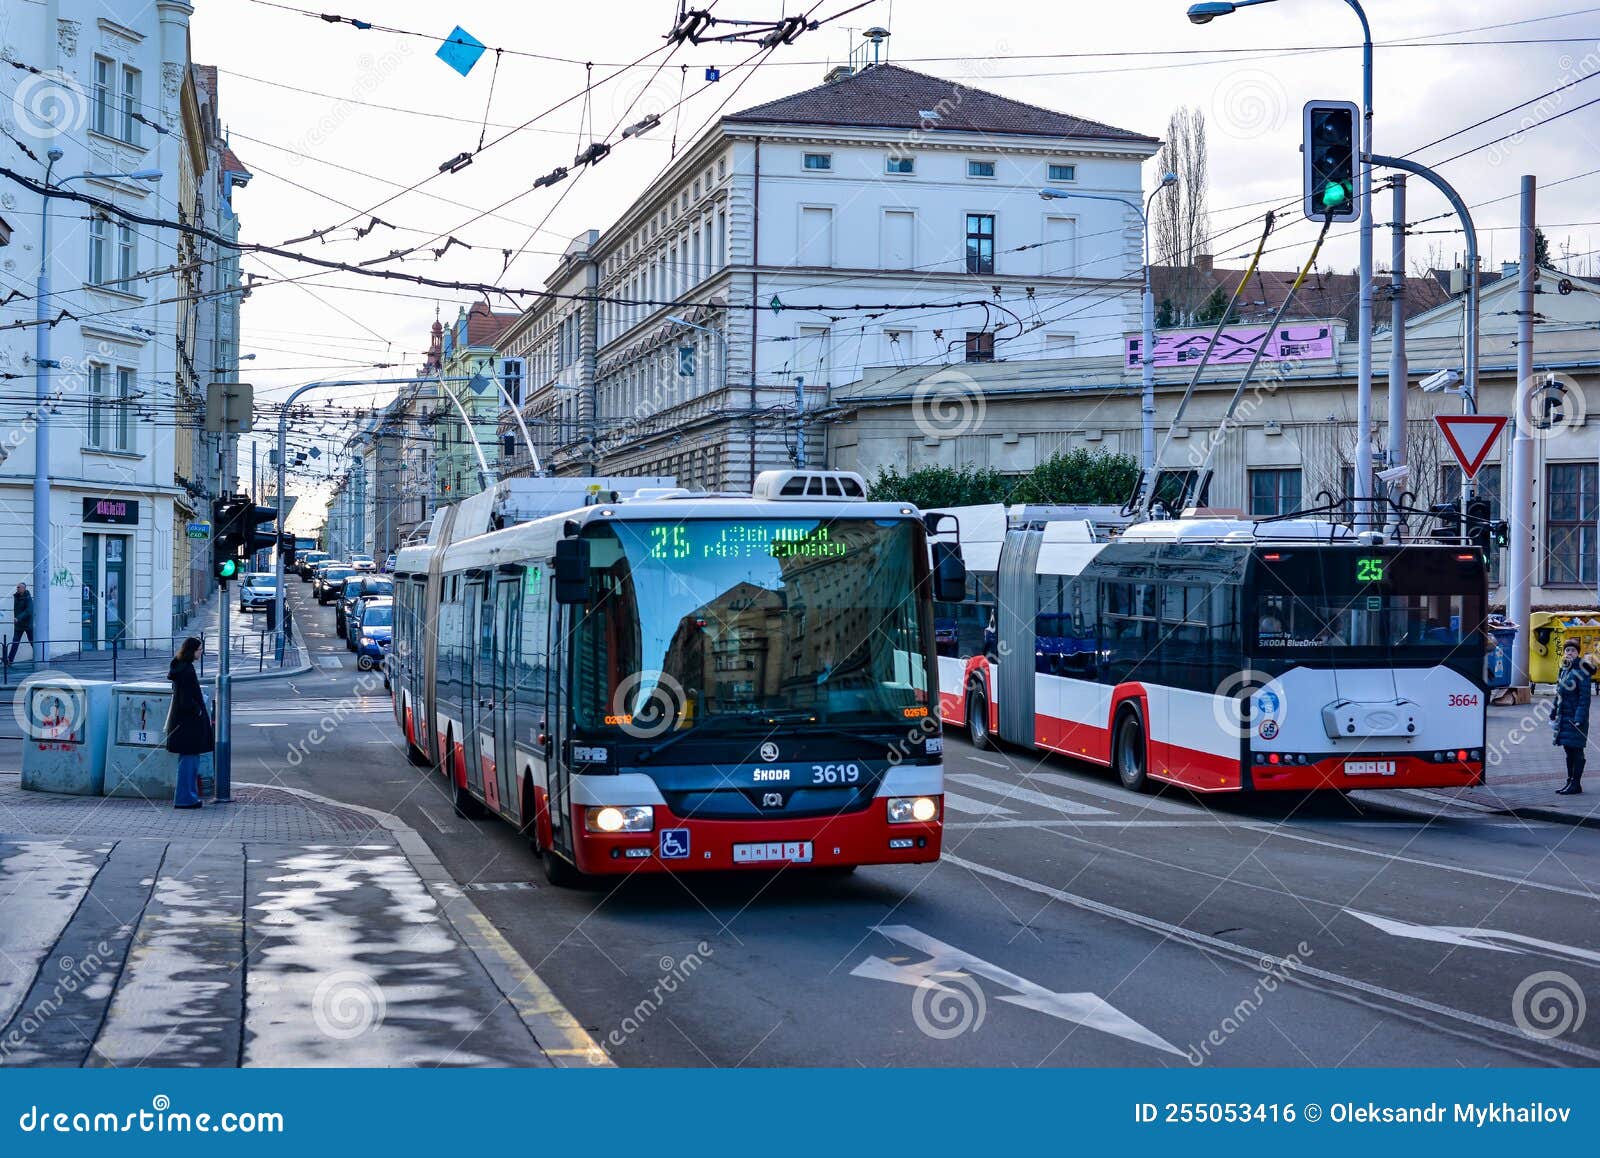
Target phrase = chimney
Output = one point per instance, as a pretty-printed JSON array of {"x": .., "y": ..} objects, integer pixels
[
  {"x": 838, "y": 72},
  {"x": 1202, "y": 262},
  {"x": 1508, "y": 269}
]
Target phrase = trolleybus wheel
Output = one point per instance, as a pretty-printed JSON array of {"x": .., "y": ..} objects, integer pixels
[
  {"x": 978, "y": 717},
  {"x": 1132, "y": 753},
  {"x": 559, "y": 871}
]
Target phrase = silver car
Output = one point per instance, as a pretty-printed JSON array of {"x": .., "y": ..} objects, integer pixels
[{"x": 257, "y": 590}]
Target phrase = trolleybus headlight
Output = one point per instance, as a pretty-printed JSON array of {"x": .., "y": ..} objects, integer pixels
[
  {"x": 612, "y": 818},
  {"x": 909, "y": 809}
]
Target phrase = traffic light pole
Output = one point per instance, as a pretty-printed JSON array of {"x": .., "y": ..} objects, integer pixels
[
  {"x": 223, "y": 756},
  {"x": 1469, "y": 377}
]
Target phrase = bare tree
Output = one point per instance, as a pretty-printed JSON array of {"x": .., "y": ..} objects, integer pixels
[{"x": 1182, "y": 212}]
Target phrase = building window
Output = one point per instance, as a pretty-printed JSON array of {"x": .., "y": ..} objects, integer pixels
[
  {"x": 99, "y": 250},
  {"x": 1569, "y": 529},
  {"x": 898, "y": 164},
  {"x": 980, "y": 168},
  {"x": 818, "y": 162},
  {"x": 124, "y": 409},
  {"x": 1060, "y": 345},
  {"x": 130, "y": 105},
  {"x": 1063, "y": 172},
  {"x": 103, "y": 95},
  {"x": 127, "y": 256},
  {"x": 980, "y": 243},
  {"x": 95, "y": 435},
  {"x": 1274, "y": 492},
  {"x": 980, "y": 345}
]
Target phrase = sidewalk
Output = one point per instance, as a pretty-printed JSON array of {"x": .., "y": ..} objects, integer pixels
[
  {"x": 281, "y": 929},
  {"x": 1524, "y": 769},
  {"x": 251, "y": 654}
]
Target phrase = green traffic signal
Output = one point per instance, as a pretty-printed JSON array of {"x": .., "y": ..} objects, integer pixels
[
  {"x": 227, "y": 568},
  {"x": 1334, "y": 195}
]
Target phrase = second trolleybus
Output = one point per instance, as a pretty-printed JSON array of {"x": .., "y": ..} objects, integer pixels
[{"x": 1221, "y": 655}]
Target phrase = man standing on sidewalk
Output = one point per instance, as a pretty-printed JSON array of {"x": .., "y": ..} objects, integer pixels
[{"x": 22, "y": 614}]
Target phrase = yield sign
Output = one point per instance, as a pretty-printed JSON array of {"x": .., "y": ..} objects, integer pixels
[{"x": 1471, "y": 437}]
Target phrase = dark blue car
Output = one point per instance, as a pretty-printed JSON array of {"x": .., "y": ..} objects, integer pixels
[{"x": 376, "y": 627}]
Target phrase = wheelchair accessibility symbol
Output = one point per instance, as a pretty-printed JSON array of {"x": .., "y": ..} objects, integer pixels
[{"x": 674, "y": 843}]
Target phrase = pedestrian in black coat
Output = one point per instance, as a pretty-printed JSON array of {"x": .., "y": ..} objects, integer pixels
[
  {"x": 188, "y": 724},
  {"x": 1570, "y": 715}
]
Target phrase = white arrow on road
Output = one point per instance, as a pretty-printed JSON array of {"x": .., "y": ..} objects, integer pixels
[
  {"x": 1080, "y": 1008},
  {"x": 1478, "y": 938}
]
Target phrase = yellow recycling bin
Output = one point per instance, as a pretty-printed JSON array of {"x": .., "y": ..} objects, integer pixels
[{"x": 1550, "y": 631}]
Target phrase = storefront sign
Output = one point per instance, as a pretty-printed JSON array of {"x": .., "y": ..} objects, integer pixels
[
  {"x": 124, "y": 512},
  {"x": 199, "y": 530}
]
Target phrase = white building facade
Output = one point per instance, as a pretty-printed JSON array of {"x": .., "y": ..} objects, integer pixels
[
  {"x": 101, "y": 93},
  {"x": 743, "y": 271}
]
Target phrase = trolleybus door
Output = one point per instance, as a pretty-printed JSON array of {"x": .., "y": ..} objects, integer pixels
[
  {"x": 1018, "y": 585},
  {"x": 480, "y": 693},
  {"x": 500, "y": 726},
  {"x": 559, "y": 714}
]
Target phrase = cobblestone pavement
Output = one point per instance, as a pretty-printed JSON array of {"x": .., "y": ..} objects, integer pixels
[{"x": 277, "y": 930}]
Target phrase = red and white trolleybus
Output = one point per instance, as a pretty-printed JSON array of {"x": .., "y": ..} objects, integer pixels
[{"x": 1221, "y": 654}]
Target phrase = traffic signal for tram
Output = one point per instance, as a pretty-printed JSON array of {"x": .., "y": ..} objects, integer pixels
[
  {"x": 1332, "y": 148},
  {"x": 1480, "y": 528},
  {"x": 225, "y": 534}
]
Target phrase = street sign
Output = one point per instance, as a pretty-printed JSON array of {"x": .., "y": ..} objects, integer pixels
[
  {"x": 199, "y": 530},
  {"x": 1471, "y": 437},
  {"x": 229, "y": 407}
]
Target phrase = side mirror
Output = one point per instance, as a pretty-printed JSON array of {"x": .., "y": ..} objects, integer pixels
[
  {"x": 949, "y": 574},
  {"x": 572, "y": 570}
]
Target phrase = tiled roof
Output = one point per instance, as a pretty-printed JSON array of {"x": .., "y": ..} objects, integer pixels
[
  {"x": 485, "y": 327},
  {"x": 231, "y": 162},
  {"x": 887, "y": 96},
  {"x": 1324, "y": 294}
]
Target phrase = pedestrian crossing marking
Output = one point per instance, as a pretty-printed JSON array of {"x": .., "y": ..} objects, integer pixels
[
  {"x": 955, "y": 802},
  {"x": 1028, "y": 795},
  {"x": 1115, "y": 793}
]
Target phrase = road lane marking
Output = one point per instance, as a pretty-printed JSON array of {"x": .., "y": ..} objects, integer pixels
[
  {"x": 991, "y": 763},
  {"x": 432, "y": 821},
  {"x": 1295, "y": 970},
  {"x": 1115, "y": 794},
  {"x": 946, "y": 964},
  {"x": 954, "y": 800},
  {"x": 1010, "y": 792},
  {"x": 1080, "y": 823},
  {"x": 1472, "y": 938}
]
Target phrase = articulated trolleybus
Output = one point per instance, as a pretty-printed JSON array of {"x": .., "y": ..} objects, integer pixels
[
  {"x": 666, "y": 681},
  {"x": 1221, "y": 654}
]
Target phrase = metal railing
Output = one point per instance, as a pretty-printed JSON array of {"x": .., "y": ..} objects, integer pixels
[{"x": 117, "y": 656}]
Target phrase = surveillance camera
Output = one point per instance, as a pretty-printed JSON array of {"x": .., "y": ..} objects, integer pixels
[
  {"x": 1394, "y": 474},
  {"x": 1439, "y": 381}
]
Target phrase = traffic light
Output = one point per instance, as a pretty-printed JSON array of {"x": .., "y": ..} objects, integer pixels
[
  {"x": 253, "y": 537},
  {"x": 1332, "y": 148},
  {"x": 286, "y": 549},
  {"x": 1480, "y": 529},
  {"x": 1500, "y": 534},
  {"x": 1447, "y": 521},
  {"x": 225, "y": 532}
]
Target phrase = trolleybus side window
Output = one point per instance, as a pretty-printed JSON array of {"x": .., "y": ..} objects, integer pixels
[{"x": 966, "y": 629}]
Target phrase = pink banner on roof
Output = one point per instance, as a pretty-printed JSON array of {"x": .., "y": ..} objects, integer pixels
[{"x": 1234, "y": 345}]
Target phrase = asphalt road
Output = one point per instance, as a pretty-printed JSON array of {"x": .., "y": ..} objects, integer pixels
[{"x": 1069, "y": 923}]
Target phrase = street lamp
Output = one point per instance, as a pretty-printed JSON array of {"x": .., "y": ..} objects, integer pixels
[
  {"x": 42, "y": 365},
  {"x": 1147, "y": 365},
  {"x": 1204, "y": 14}
]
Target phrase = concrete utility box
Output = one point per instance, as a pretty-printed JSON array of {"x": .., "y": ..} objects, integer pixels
[
  {"x": 64, "y": 725},
  {"x": 137, "y": 761}
]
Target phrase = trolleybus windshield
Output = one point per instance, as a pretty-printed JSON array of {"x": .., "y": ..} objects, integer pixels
[
  {"x": 738, "y": 625},
  {"x": 1427, "y": 601}
]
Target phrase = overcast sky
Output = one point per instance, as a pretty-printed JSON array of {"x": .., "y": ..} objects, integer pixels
[{"x": 320, "y": 158}]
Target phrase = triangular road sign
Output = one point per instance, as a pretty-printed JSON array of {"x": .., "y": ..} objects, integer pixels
[{"x": 1471, "y": 437}]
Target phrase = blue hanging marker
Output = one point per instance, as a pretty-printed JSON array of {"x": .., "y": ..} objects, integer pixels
[
  {"x": 713, "y": 74},
  {"x": 461, "y": 50}
]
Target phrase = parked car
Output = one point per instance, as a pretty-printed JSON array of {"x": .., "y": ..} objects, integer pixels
[
  {"x": 389, "y": 562},
  {"x": 256, "y": 590},
  {"x": 357, "y": 587},
  {"x": 372, "y": 644},
  {"x": 328, "y": 585},
  {"x": 307, "y": 564}
]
